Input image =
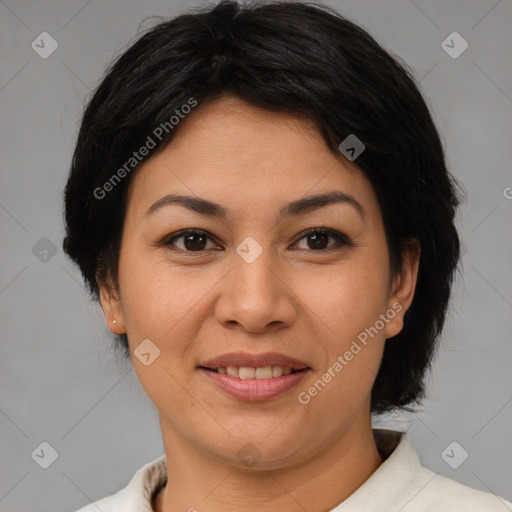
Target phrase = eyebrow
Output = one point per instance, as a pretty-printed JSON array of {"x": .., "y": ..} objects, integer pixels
[{"x": 294, "y": 208}]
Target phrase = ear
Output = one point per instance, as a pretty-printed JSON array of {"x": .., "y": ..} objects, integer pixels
[
  {"x": 402, "y": 288},
  {"x": 111, "y": 305}
]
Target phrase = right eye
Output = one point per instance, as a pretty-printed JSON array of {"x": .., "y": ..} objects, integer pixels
[{"x": 194, "y": 240}]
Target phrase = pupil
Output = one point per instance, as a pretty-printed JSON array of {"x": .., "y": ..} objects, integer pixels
[
  {"x": 316, "y": 238},
  {"x": 192, "y": 246}
]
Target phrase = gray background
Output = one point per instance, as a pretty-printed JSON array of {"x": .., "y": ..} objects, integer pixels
[{"x": 60, "y": 380}]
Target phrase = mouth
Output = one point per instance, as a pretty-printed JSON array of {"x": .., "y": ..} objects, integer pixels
[
  {"x": 249, "y": 372},
  {"x": 243, "y": 365},
  {"x": 254, "y": 377}
]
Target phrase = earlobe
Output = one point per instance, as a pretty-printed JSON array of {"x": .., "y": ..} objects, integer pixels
[
  {"x": 403, "y": 288},
  {"x": 111, "y": 305},
  {"x": 395, "y": 314}
]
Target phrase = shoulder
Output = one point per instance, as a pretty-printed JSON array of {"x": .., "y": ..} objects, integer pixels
[
  {"x": 111, "y": 503},
  {"x": 440, "y": 493},
  {"x": 107, "y": 504},
  {"x": 403, "y": 484},
  {"x": 137, "y": 494}
]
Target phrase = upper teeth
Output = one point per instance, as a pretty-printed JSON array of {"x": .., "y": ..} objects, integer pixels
[{"x": 247, "y": 372}]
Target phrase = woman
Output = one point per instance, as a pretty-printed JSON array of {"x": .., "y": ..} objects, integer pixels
[{"x": 259, "y": 200}]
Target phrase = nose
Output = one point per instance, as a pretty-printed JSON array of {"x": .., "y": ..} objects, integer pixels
[{"x": 255, "y": 295}]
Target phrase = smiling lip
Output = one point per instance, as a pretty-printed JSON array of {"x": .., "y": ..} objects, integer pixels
[
  {"x": 254, "y": 361},
  {"x": 254, "y": 389}
]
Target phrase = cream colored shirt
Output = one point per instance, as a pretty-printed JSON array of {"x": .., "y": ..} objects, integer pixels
[{"x": 400, "y": 484}]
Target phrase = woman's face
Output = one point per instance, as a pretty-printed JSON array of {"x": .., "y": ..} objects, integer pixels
[{"x": 254, "y": 282}]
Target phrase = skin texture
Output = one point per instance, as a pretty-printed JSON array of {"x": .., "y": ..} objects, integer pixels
[{"x": 293, "y": 299}]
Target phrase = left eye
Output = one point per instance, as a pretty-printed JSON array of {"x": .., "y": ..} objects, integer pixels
[
  {"x": 319, "y": 238},
  {"x": 196, "y": 241}
]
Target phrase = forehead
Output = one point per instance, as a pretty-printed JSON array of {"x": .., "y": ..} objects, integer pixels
[{"x": 239, "y": 155}]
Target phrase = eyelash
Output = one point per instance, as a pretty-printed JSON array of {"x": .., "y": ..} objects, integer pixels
[{"x": 341, "y": 240}]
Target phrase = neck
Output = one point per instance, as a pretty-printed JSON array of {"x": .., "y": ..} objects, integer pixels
[{"x": 199, "y": 482}]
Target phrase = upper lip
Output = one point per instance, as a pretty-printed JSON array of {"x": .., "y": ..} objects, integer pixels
[{"x": 254, "y": 361}]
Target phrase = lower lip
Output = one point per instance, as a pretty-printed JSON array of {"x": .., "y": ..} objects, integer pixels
[{"x": 255, "y": 389}]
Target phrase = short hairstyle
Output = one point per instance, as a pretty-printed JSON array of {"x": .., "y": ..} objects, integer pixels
[{"x": 299, "y": 58}]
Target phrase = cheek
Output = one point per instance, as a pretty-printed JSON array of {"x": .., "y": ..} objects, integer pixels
[
  {"x": 352, "y": 296},
  {"x": 348, "y": 309},
  {"x": 156, "y": 295},
  {"x": 158, "y": 304}
]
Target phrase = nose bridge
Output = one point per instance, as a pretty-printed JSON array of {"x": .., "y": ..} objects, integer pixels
[
  {"x": 254, "y": 268},
  {"x": 255, "y": 294}
]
